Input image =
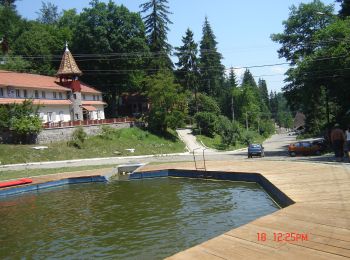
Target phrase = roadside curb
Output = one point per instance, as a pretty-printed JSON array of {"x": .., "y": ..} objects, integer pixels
[{"x": 93, "y": 159}]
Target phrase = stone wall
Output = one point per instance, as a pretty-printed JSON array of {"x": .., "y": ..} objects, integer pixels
[{"x": 64, "y": 134}]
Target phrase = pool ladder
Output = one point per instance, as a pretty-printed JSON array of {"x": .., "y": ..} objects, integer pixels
[{"x": 195, "y": 161}]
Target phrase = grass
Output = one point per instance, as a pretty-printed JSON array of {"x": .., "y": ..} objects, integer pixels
[
  {"x": 8, "y": 175},
  {"x": 216, "y": 143},
  {"x": 113, "y": 144}
]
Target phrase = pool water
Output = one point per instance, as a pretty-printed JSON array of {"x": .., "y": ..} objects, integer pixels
[{"x": 143, "y": 219}]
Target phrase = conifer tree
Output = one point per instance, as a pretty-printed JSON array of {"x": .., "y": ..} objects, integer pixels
[
  {"x": 232, "y": 80},
  {"x": 156, "y": 22},
  {"x": 188, "y": 62},
  {"x": 264, "y": 94},
  {"x": 211, "y": 69}
]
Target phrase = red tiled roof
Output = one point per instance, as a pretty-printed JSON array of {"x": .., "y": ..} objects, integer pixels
[
  {"x": 36, "y": 101},
  {"x": 89, "y": 108},
  {"x": 26, "y": 80},
  {"x": 89, "y": 102},
  {"x": 88, "y": 89}
]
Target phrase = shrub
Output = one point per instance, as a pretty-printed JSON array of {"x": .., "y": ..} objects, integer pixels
[
  {"x": 266, "y": 128},
  {"x": 206, "y": 122},
  {"x": 224, "y": 128},
  {"x": 107, "y": 132},
  {"x": 176, "y": 119},
  {"x": 205, "y": 104},
  {"x": 78, "y": 138}
]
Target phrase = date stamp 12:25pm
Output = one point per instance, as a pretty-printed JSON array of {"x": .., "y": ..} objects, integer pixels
[{"x": 288, "y": 237}]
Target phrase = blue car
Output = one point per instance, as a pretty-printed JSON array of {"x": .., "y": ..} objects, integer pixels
[{"x": 255, "y": 150}]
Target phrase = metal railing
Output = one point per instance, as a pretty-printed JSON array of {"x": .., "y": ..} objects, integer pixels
[
  {"x": 195, "y": 161},
  {"x": 62, "y": 124}
]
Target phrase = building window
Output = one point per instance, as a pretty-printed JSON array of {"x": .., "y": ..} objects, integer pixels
[
  {"x": 43, "y": 94},
  {"x": 68, "y": 95},
  {"x": 83, "y": 95},
  {"x": 1, "y": 92},
  {"x": 49, "y": 116},
  {"x": 75, "y": 96},
  {"x": 93, "y": 97},
  {"x": 60, "y": 95},
  {"x": 77, "y": 116},
  {"x": 36, "y": 94},
  {"x": 25, "y": 93},
  {"x": 98, "y": 98},
  {"x": 18, "y": 93},
  {"x": 54, "y": 94},
  {"x": 61, "y": 116}
]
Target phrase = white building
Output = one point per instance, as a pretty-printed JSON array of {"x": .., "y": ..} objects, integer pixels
[{"x": 61, "y": 99}]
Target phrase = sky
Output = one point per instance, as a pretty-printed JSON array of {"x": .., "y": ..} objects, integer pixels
[{"x": 242, "y": 29}]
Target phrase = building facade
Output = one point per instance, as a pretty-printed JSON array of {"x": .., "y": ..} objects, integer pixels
[{"x": 60, "y": 99}]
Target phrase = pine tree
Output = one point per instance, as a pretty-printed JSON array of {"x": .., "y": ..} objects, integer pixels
[
  {"x": 211, "y": 69},
  {"x": 156, "y": 22},
  {"x": 232, "y": 81},
  {"x": 264, "y": 94},
  {"x": 248, "y": 79},
  {"x": 188, "y": 62},
  {"x": 188, "y": 72}
]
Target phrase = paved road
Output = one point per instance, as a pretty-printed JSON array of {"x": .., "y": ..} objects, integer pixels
[{"x": 275, "y": 149}]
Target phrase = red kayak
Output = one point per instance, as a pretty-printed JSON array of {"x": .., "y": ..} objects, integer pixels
[{"x": 15, "y": 183}]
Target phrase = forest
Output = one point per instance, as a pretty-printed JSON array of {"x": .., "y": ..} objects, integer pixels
[{"x": 120, "y": 51}]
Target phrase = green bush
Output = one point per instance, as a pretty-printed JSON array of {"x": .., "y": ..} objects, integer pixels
[
  {"x": 176, "y": 119},
  {"x": 267, "y": 128},
  {"x": 78, "y": 138},
  {"x": 206, "y": 122},
  {"x": 108, "y": 133},
  {"x": 205, "y": 104},
  {"x": 224, "y": 128},
  {"x": 247, "y": 137}
]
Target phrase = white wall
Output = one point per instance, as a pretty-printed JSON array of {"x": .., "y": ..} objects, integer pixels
[
  {"x": 90, "y": 97},
  {"x": 10, "y": 92},
  {"x": 55, "y": 110}
]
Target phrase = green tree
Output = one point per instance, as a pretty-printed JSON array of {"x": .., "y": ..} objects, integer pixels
[
  {"x": 264, "y": 94},
  {"x": 211, "y": 69},
  {"x": 43, "y": 42},
  {"x": 22, "y": 120},
  {"x": 345, "y": 8},
  {"x": 168, "y": 103},
  {"x": 8, "y": 3},
  {"x": 303, "y": 22},
  {"x": 48, "y": 13},
  {"x": 11, "y": 26},
  {"x": 248, "y": 79},
  {"x": 188, "y": 64},
  {"x": 156, "y": 22},
  {"x": 107, "y": 28},
  {"x": 15, "y": 63},
  {"x": 204, "y": 103}
]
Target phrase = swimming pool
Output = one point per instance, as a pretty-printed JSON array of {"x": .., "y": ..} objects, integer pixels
[{"x": 146, "y": 218}]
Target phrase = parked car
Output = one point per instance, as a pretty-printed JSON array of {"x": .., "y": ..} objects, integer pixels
[
  {"x": 255, "y": 150},
  {"x": 307, "y": 148}
]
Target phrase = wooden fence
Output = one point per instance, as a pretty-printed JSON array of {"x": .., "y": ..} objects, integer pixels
[{"x": 50, "y": 125}]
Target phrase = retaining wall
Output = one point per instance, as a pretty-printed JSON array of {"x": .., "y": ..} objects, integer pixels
[{"x": 64, "y": 134}]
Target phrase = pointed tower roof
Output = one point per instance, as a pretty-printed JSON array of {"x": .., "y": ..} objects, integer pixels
[{"x": 68, "y": 65}]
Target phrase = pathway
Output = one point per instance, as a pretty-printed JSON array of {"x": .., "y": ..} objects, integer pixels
[{"x": 191, "y": 142}]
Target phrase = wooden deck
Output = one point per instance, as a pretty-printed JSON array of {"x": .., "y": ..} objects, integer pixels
[{"x": 322, "y": 211}]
